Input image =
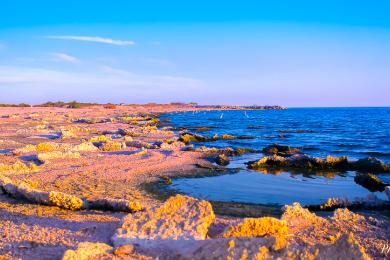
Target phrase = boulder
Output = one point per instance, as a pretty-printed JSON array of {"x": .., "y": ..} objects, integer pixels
[{"x": 180, "y": 217}]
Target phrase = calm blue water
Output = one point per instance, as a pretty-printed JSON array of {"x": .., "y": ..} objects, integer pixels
[{"x": 355, "y": 132}]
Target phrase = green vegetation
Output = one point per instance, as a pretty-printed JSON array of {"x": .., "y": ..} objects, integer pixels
[
  {"x": 15, "y": 105},
  {"x": 73, "y": 104}
]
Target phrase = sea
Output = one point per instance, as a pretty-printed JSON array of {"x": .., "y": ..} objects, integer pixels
[{"x": 354, "y": 132}]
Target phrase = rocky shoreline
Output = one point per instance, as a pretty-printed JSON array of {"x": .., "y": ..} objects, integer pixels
[{"x": 81, "y": 184}]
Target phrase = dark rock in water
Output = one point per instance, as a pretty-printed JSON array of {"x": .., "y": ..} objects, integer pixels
[
  {"x": 246, "y": 137},
  {"x": 188, "y": 137},
  {"x": 222, "y": 160},
  {"x": 306, "y": 162},
  {"x": 371, "y": 164},
  {"x": 370, "y": 182},
  {"x": 280, "y": 150},
  {"x": 255, "y": 127}
]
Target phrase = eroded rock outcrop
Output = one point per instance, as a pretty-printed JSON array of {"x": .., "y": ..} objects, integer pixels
[
  {"x": 180, "y": 217},
  {"x": 63, "y": 200}
]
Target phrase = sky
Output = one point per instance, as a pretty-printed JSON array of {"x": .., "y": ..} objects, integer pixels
[{"x": 290, "y": 53}]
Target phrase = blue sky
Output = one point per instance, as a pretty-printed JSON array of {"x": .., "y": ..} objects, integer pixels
[{"x": 292, "y": 53}]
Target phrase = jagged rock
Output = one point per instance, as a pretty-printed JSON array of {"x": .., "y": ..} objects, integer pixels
[
  {"x": 370, "y": 182},
  {"x": 180, "y": 217},
  {"x": 280, "y": 150},
  {"x": 88, "y": 251},
  {"x": 260, "y": 227},
  {"x": 222, "y": 160}
]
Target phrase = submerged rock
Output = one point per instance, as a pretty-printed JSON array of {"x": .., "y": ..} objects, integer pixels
[
  {"x": 180, "y": 217},
  {"x": 370, "y": 182},
  {"x": 387, "y": 191},
  {"x": 222, "y": 160}
]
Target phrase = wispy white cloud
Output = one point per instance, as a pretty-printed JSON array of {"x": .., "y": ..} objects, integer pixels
[
  {"x": 58, "y": 56},
  {"x": 91, "y": 39},
  {"x": 105, "y": 84}
]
